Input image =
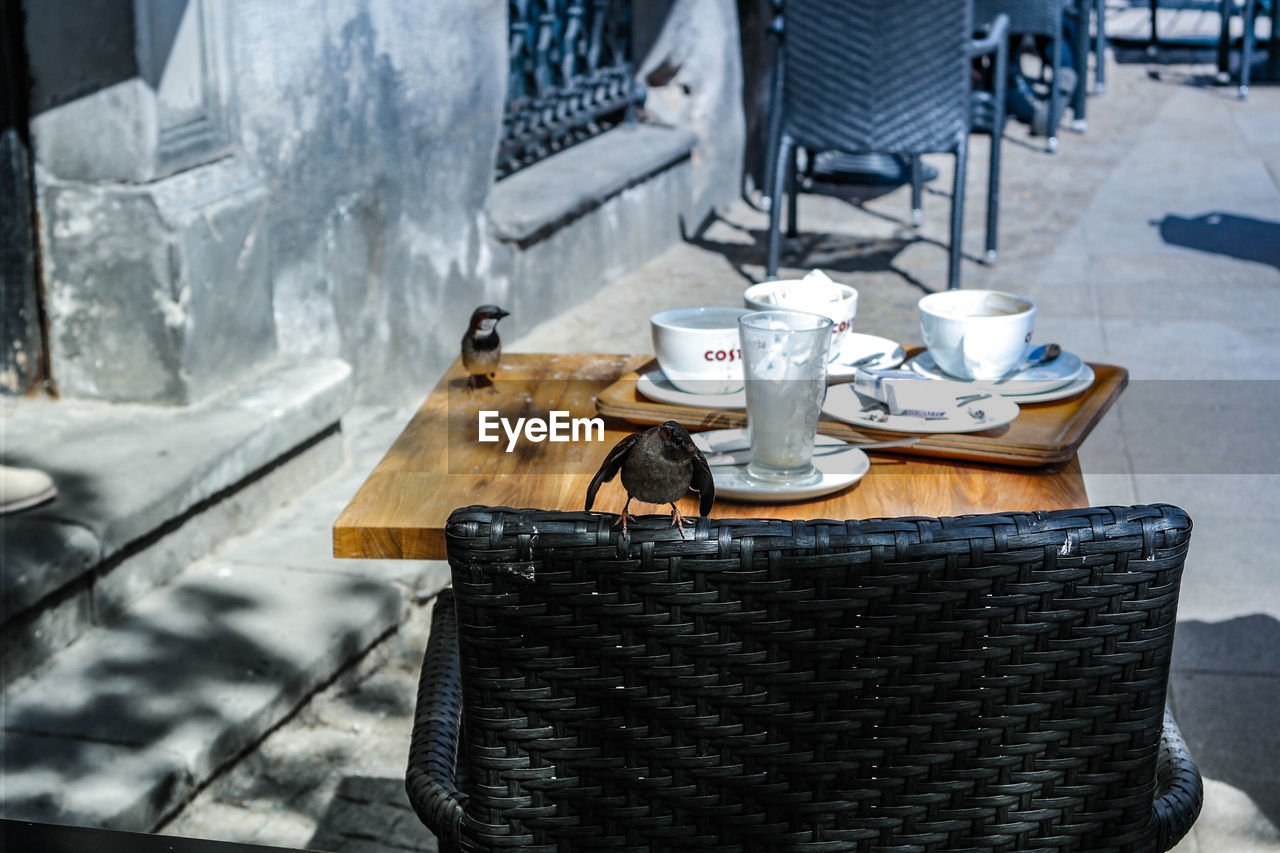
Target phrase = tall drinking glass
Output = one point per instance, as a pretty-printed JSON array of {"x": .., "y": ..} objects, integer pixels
[{"x": 784, "y": 361}]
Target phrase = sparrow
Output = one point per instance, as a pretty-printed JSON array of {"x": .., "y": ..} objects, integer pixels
[
  {"x": 658, "y": 466},
  {"x": 481, "y": 348}
]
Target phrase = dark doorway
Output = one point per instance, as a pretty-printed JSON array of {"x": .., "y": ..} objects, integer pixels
[{"x": 23, "y": 362}]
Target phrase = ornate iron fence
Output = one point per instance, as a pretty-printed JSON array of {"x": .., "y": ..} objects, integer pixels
[{"x": 570, "y": 76}]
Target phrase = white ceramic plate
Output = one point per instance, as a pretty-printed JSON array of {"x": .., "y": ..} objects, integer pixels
[
  {"x": 655, "y": 385},
  {"x": 845, "y": 404},
  {"x": 840, "y": 463},
  {"x": 857, "y": 345},
  {"x": 1033, "y": 380}
]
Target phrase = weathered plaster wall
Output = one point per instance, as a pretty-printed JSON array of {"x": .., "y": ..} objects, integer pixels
[{"x": 374, "y": 126}]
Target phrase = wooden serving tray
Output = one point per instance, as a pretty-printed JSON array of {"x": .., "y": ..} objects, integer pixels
[{"x": 1043, "y": 433}]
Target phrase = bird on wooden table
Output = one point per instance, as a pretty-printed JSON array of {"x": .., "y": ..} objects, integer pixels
[
  {"x": 481, "y": 348},
  {"x": 658, "y": 466}
]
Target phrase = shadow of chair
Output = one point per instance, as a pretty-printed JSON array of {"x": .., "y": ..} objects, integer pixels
[
  {"x": 862, "y": 77},
  {"x": 1242, "y": 237},
  {"x": 986, "y": 682}
]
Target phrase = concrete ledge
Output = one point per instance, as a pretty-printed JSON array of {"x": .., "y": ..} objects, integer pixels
[
  {"x": 536, "y": 201},
  {"x": 125, "y": 471}
]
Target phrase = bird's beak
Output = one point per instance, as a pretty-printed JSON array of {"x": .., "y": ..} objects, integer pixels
[
  {"x": 665, "y": 433},
  {"x": 502, "y": 314}
]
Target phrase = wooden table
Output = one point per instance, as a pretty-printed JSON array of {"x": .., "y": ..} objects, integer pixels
[{"x": 437, "y": 465}]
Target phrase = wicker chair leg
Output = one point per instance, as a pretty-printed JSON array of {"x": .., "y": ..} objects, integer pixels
[
  {"x": 1079, "y": 98},
  {"x": 1225, "y": 8},
  {"x": 430, "y": 780},
  {"x": 957, "y": 212},
  {"x": 997, "y": 143},
  {"x": 1100, "y": 48},
  {"x": 1179, "y": 788},
  {"x": 793, "y": 193},
  {"x": 917, "y": 191},
  {"x": 782, "y": 159},
  {"x": 1055, "y": 96},
  {"x": 775, "y": 119},
  {"x": 1246, "y": 52}
]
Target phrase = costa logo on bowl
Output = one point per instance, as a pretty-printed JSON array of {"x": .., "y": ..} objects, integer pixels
[{"x": 722, "y": 355}]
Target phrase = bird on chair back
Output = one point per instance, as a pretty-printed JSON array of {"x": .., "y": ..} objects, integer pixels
[
  {"x": 481, "y": 348},
  {"x": 658, "y": 466}
]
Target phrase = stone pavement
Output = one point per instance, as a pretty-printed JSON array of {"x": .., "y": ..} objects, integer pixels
[{"x": 1153, "y": 241}]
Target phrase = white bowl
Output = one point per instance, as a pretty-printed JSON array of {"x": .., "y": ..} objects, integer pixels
[
  {"x": 977, "y": 334},
  {"x": 834, "y": 300},
  {"x": 698, "y": 348}
]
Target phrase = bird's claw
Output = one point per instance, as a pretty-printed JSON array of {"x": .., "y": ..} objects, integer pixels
[
  {"x": 678, "y": 520},
  {"x": 622, "y": 520}
]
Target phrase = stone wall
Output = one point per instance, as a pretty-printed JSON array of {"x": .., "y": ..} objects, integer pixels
[{"x": 226, "y": 180}]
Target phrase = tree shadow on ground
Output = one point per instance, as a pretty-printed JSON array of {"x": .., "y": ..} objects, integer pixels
[
  {"x": 1219, "y": 233},
  {"x": 1225, "y": 689},
  {"x": 371, "y": 814},
  {"x": 176, "y": 683}
]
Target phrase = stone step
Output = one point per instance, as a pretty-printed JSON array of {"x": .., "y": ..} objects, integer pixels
[
  {"x": 143, "y": 491},
  {"x": 120, "y": 729}
]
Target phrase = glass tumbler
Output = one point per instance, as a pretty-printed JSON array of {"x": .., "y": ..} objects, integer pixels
[{"x": 784, "y": 355}]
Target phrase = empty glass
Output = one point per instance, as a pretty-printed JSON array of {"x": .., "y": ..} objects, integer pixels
[{"x": 784, "y": 356}]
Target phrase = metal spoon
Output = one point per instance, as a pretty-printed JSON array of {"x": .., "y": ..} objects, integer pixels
[{"x": 1040, "y": 355}]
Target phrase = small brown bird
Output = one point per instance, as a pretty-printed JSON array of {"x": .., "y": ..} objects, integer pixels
[
  {"x": 658, "y": 466},
  {"x": 481, "y": 348}
]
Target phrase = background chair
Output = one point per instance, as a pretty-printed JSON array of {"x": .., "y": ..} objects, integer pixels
[
  {"x": 1036, "y": 18},
  {"x": 866, "y": 77},
  {"x": 986, "y": 682},
  {"x": 1248, "y": 10}
]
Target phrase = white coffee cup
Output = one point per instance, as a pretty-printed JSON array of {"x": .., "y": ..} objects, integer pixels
[
  {"x": 977, "y": 334},
  {"x": 839, "y": 302},
  {"x": 698, "y": 348}
]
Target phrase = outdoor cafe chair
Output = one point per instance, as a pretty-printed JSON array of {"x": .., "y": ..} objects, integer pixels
[
  {"x": 866, "y": 77},
  {"x": 1248, "y": 11},
  {"x": 990, "y": 682},
  {"x": 1039, "y": 18}
]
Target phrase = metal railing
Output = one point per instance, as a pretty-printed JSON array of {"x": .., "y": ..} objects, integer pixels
[{"x": 570, "y": 76}]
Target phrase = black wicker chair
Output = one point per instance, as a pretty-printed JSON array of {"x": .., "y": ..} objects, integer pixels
[
  {"x": 1248, "y": 11},
  {"x": 980, "y": 683},
  {"x": 1035, "y": 18},
  {"x": 868, "y": 77}
]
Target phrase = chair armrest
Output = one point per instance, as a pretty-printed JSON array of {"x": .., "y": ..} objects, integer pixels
[
  {"x": 996, "y": 35},
  {"x": 430, "y": 780},
  {"x": 1179, "y": 789}
]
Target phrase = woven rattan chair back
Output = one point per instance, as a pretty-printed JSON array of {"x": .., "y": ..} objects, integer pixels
[
  {"x": 982, "y": 683},
  {"x": 871, "y": 76},
  {"x": 1026, "y": 17}
]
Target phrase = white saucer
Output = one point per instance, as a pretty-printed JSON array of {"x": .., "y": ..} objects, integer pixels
[
  {"x": 1033, "y": 380},
  {"x": 857, "y": 345},
  {"x": 1075, "y": 386},
  {"x": 656, "y": 386},
  {"x": 845, "y": 404},
  {"x": 840, "y": 469}
]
